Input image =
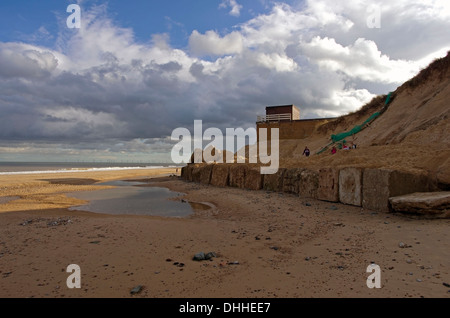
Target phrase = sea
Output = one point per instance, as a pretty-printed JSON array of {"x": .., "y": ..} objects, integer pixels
[{"x": 12, "y": 168}]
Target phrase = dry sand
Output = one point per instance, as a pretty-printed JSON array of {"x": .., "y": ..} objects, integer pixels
[{"x": 268, "y": 245}]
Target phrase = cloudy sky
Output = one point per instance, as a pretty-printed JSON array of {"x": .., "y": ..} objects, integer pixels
[{"x": 117, "y": 87}]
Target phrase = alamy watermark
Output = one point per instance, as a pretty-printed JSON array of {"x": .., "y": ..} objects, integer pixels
[
  {"x": 74, "y": 279},
  {"x": 374, "y": 17},
  {"x": 182, "y": 151},
  {"x": 374, "y": 280},
  {"x": 74, "y": 20}
]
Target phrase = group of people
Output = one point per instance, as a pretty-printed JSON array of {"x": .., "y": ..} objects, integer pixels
[
  {"x": 307, "y": 152},
  {"x": 344, "y": 147}
]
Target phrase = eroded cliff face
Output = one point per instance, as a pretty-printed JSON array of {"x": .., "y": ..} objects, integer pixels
[{"x": 405, "y": 150}]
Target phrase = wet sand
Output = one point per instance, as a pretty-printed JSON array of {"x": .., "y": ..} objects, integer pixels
[{"x": 267, "y": 245}]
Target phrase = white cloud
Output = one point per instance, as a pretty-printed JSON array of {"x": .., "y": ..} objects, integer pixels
[
  {"x": 211, "y": 43},
  {"x": 235, "y": 8},
  {"x": 22, "y": 60},
  {"x": 361, "y": 59}
]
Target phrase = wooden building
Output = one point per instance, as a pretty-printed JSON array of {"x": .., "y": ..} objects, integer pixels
[{"x": 280, "y": 113}]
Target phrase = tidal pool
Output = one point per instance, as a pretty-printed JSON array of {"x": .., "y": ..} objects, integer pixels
[{"x": 128, "y": 198}]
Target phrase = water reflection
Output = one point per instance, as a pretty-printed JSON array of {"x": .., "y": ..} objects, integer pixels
[{"x": 130, "y": 199}]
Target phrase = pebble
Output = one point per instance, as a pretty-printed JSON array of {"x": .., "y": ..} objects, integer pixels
[
  {"x": 408, "y": 261},
  {"x": 210, "y": 255},
  {"x": 199, "y": 256},
  {"x": 204, "y": 257},
  {"x": 136, "y": 290},
  {"x": 418, "y": 280}
]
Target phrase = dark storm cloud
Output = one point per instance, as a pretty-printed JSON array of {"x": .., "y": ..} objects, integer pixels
[{"x": 104, "y": 91}]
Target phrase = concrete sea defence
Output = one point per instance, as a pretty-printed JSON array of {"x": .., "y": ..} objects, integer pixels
[{"x": 370, "y": 188}]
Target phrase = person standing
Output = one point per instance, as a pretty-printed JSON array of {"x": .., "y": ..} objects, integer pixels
[
  {"x": 306, "y": 152},
  {"x": 334, "y": 150}
]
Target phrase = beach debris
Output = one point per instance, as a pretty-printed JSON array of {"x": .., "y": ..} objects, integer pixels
[
  {"x": 409, "y": 261},
  {"x": 204, "y": 257},
  {"x": 59, "y": 221},
  {"x": 49, "y": 222},
  {"x": 178, "y": 264},
  {"x": 184, "y": 201},
  {"x": 4, "y": 275},
  {"x": 446, "y": 285},
  {"x": 95, "y": 242},
  {"x": 307, "y": 204},
  {"x": 418, "y": 280},
  {"x": 333, "y": 207},
  {"x": 338, "y": 224},
  {"x": 233, "y": 263},
  {"x": 307, "y": 258},
  {"x": 136, "y": 290},
  {"x": 275, "y": 248}
]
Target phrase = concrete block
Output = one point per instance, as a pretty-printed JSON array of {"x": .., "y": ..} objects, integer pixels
[
  {"x": 254, "y": 179},
  {"x": 381, "y": 184},
  {"x": 238, "y": 173},
  {"x": 309, "y": 183},
  {"x": 196, "y": 173},
  {"x": 205, "y": 173},
  {"x": 429, "y": 204},
  {"x": 188, "y": 172},
  {"x": 274, "y": 182},
  {"x": 328, "y": 189},
  {"x": 350, "y": 186},
  {"x": 220, "y": 176},
  {"x": 292, "y": 179}
]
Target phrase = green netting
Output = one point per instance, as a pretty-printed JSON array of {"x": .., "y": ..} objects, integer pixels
[
  {"x": 355, "y": 129},
  {"x": 388, "y": 99},
  {"x": 344, "y": 135}
]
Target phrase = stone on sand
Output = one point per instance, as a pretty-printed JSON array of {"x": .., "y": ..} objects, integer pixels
[{"x": 434, "y": 204}]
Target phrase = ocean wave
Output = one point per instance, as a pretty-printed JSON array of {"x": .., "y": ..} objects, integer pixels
[{"x": 78, "y": 170}]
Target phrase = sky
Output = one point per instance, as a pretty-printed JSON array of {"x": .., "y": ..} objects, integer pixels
[{"x": 116, "y": 88}]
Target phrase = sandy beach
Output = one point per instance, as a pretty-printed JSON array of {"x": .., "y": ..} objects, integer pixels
[{"x": 267, "y": 245}]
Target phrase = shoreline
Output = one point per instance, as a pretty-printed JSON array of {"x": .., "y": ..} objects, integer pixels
[
  {"x": 42, "y": 191},
  {"x": 267, "y": 245}
]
